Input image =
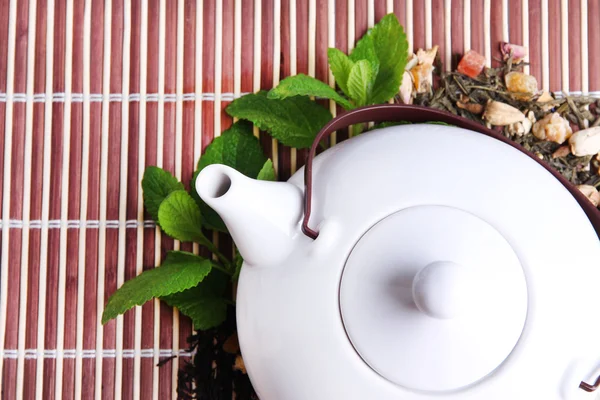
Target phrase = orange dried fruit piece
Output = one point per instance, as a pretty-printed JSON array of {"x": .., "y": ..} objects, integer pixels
[
  {"x": 522, "y": 86},
  {"x": 471, "y": 64}
]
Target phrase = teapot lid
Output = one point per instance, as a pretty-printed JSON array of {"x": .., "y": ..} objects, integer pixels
[{"x": 424, "y": 301}]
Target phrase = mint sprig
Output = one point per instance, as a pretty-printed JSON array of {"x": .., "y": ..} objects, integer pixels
[
  {"x": 180, "y": 217},
  {"x": 157, "y": 184},
  {"x": 199, "y": 287},
  {"x": 340, "y": 65},
  {"x": 267, "y": 172},
  {"x": 390, "y": 49},
  {"x": 206, "y": 303},
  {"x": 360, "y": 82},
  {"x": 371, "y": 74},
  {"x": 294, "y": 121},
  {"x": 365, "y": 50},
  {"x": 178, "y": 272},
  {"x": 304, "y": 85}
]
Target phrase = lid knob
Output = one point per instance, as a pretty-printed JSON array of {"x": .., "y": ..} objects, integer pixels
[{"x": 444, "y": 289}]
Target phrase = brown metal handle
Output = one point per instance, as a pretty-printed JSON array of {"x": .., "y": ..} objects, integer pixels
[
  {"x": 590, "y": 388},
  {"x": 416, "y": 114}
]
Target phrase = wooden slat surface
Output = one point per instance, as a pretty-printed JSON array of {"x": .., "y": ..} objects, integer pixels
[{"x": 159, "y": 82}]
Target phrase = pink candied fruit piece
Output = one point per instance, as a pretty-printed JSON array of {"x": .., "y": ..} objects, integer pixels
[{"x": 471, "y": 64}]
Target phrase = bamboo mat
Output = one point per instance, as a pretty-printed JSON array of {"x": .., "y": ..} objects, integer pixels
[{"x": 91, "y": 92}]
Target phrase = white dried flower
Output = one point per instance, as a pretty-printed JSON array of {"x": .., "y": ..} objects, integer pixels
[
  {"x": 427, "y": 56},
  {"x": 553, "y": 128},
  {"x": 502, "y": 114},
  {"x": 406, "y": 88},
  {"x": 411, "y": 62},
  {"x": 527, "y": 125},
  {"x": 591, "y": 193},
  {"x": 585, "y": 142},
  {"x": 517, "y": 129},
  {"x": 545, "y": 97}
]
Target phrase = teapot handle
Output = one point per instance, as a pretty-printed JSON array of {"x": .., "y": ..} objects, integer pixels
[
  {"x": 416, "y": 114},
  {"x": 588, "y": 387}
]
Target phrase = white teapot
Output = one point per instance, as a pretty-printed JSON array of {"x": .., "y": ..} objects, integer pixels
[{"x": 415, "y": 262}]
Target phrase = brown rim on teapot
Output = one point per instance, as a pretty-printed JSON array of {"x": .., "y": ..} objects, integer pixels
[{"x": 419, "y": 114}]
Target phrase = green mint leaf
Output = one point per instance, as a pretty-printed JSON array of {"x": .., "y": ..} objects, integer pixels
[
  {"x": 205, "y": 303},
  {"x": 303, "y": 85},
  {"x": 360, "y": 82},
  {"x": 157, "y": 184},
  {"x": 391, "y": 48},
  {"x": 238, "y": 148},
  {"x": 438, "y": 123},
  {"x": 340, "y": 65},
  {"x": 386, "y": 48},
  {"x": 294, "y": 121},
  {"x": 180, "y": 218},
  {"x": 179, "y": 271},
  {"x": 205, "y": 312},
  {"x": 386, "y": 124},
  {"x": 267, "y": 173},
  {"x": 210, "y": 219},
  {"x": 365, "y": 50}
]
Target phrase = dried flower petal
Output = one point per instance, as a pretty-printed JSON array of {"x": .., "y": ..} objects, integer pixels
[
  {"x": 553, "y": 128},
  {"x": 586, "y": 142},
  {"x": 518, "y": 52},
  {"x": 545, "y": 97},
  {"x": 527, "y": 124},
  {"x": 406, "y": 88},
  {"x": 412, "y": 61},
  {"x": 516, "y": 129},
  {"x": 473, "y": 108},
  {"x": 232, "y": 345},
  {"x": 422, "y": 77},
  {"x": 471, "y": 64},
  {"x": 591, "y": 193},
  {"x": 562, "y": 151},
  {"x": 501, "y": 114},
  {"x": 239, "y": 365},
  {"x": 427, "y": 56}
]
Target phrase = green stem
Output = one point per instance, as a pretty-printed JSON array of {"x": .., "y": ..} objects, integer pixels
[
  {"x": 228, "y": 264},
  {"x": 355, "y": 129},
  {"x": 487, "y": 88},
  {"x": 221, "y": 268}
]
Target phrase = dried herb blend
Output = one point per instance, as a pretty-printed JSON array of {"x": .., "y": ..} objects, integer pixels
[{"x": 469, "y": 97}]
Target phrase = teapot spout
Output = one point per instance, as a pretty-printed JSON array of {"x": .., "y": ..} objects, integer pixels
[{"x": 262, "y": 217}]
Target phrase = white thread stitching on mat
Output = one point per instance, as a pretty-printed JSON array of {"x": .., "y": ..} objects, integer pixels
[
  {"x": 60, "y": 97},
  {"x": 76, "y": 224},
  {"x": 106, "y": 353},
  {"x": 154, "y": 97}
]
